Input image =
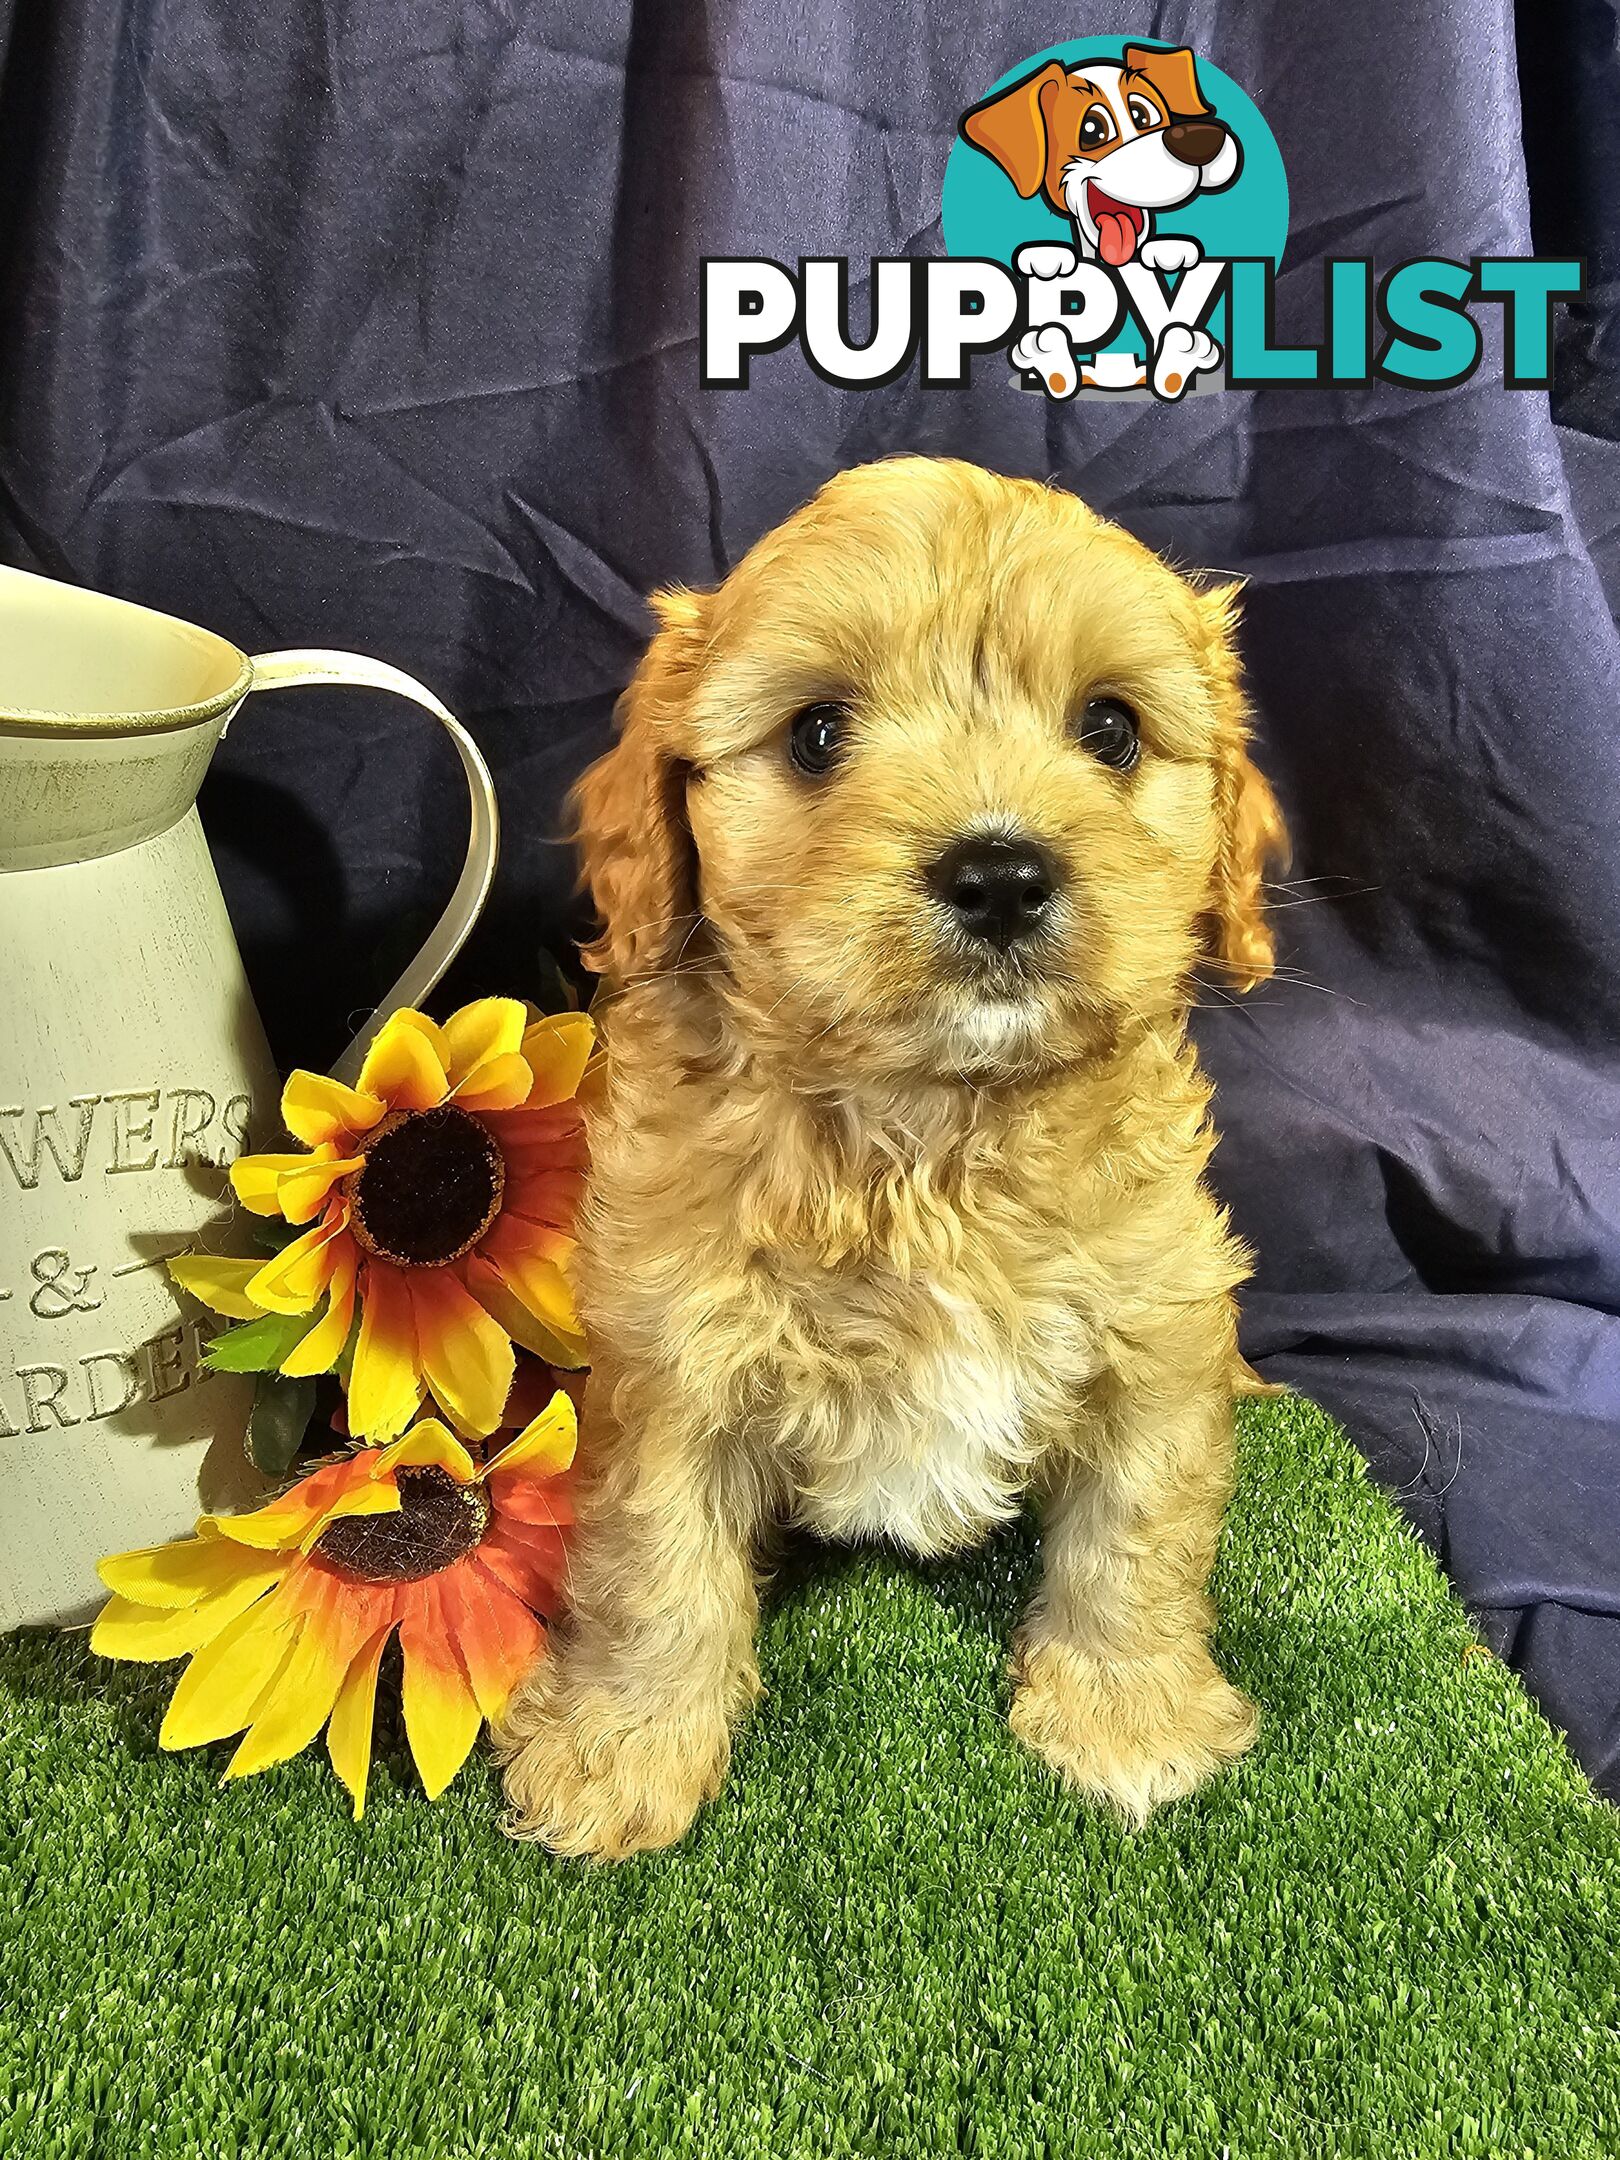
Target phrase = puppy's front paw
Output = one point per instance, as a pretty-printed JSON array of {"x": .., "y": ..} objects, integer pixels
[
  {"x": 1044, "y": 260},
  {"x": 586, "y": 1776},
  {"x": 1132, "y": 1732}
]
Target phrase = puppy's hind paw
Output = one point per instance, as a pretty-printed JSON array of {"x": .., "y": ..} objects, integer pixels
[
  {"x": 586, "y": 1777},
  {"x": 1134, "y": 1733}
]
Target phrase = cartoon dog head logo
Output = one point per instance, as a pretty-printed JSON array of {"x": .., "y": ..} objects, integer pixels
[{"x": 1108, "y": 145}]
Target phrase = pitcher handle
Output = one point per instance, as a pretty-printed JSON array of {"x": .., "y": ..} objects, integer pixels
[{"x": 314, "y": 669}]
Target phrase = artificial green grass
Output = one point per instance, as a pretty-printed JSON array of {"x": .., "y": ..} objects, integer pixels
[{"x": 1392, "y": 1932}]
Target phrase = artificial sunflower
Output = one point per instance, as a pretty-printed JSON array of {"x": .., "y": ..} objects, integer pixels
[
  {"x": 440, "y": 1192},
  {"x": 285, "y": 1612}
]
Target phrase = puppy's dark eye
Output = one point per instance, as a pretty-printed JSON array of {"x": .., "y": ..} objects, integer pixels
[
  {"x": 1096, "y": 128},
  {"x": 1110, "y": 731},
  {"x": 1142, "y": 113},
  {"x": 817, "y": 738}
]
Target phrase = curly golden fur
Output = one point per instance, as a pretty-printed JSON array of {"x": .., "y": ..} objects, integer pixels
[{"x": 886, "y": 1228}]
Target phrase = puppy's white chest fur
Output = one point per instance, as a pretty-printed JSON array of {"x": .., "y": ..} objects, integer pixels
[{"x": 917, "y": 1425}]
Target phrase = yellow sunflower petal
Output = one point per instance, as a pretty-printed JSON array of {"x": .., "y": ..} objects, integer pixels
[
  {"x": 145, "y": 1636},
  {"x": 429, "y": 1442},
  {"x": 442, "y": 1716},
  {"x": 381, "y": 1498},
  {"x": 545, "y": 1446},
  {"x": 300, "y": 1699},
  {"x": 348, "y": 1735},
  {"x": 403, "y": 1068},
  {"x": 491, "y": 1028},
  {"x": 385, "y": 1384},
  {"x": 295, "y": 1280},
  {"x": 320, "y": 1349},
  {"x": 466, "y": 1355},
  {"x": 172, "y": 1575},
  {"x": 555, "y": 1347},
  {"x": 530, "y": 1262},
  {"x": 315, "y": 1109},
  {"x": 256, "y": 1180},
  {"x": 500, "y": 1083},
  {"x": 223, "y": 1685},
  {"x": 302, "y": 1193},
  {"x": 430, "y": 1030},
  {"x": 218, "y": 1282},
  {"x": 283, "y": 1522},
  {"x": 557, "y": 1050}
]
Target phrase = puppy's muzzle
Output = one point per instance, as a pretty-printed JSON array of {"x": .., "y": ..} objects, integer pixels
[
  {"x": 998, "y": 891},
  {"x": 1194, "y": 142}
]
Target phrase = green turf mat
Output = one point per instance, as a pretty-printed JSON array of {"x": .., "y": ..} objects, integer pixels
[{"x": 1392, "y": 1932}]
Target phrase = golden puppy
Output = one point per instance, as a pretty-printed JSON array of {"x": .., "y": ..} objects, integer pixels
[{"x": 914, "y": 834}]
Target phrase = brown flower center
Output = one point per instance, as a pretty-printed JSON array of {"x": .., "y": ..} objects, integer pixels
[
  {"x": 429, "y": 1188},
  {"x": 438, "y": 1522}
]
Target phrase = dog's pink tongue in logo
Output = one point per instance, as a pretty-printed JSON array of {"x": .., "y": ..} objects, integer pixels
[{"x": 1117, "y": 226}]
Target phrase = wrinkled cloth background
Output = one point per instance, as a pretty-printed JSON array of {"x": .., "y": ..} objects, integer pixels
[{"x": 348, "y": 323}]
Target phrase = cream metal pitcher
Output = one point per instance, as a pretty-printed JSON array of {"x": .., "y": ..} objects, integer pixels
[{"x": 133, "y": 1070}]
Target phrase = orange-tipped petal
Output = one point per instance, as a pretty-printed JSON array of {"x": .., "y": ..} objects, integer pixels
[
  {"x": 481, "y": 1033},
  {"x": 348, "y": 1735},
  {"x": 282, "y": 1523},
  {"x": 222, "y": 1687},
  {"x": 466, "y": 1356},
  {"x": 320, "y": 1349},
  {"x": 496, "y": 1636},
  {"x": 298, "y": 1702},
  {"x": 218, "y": 1282},
  {"x": 531, "y": 1264},
  {"x": 545, "y": 1446},
  {"x": 296, "y": 1279},
  {"x": 557, "y": 1050},
  {"x": 442, "y": 1716},
  {"x": 317, "y": 1110},
  {"x": 404, "y": 1068},
  {"x": 385, "y": 1383},
  {"x": 498, "y": 1299}
]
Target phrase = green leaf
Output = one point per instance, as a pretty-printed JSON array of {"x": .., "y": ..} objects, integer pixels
[
  {"x": 282, "y": 1410},
  {"x": 258, "y": 1345},
  {"x": 271, "y": 1232}
]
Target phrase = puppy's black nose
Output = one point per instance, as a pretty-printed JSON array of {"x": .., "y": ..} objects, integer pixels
[
  {"x": 1195, "y": 142},
  {"x": 998, "y": 890}
]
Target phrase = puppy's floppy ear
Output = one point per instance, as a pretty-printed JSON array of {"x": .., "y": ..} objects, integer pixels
[
  {"x": 630, "y": 807},
  {"x": 1010, "y": 127},
  {"x": 1174, "y": 75},
  {"x": 1251, "y": 835}
]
